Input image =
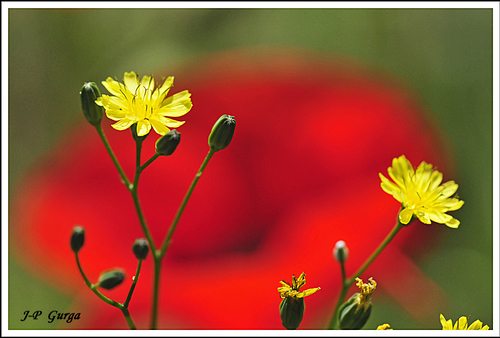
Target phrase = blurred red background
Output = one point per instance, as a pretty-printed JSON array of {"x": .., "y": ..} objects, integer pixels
[{"x": 301, "y": 173}]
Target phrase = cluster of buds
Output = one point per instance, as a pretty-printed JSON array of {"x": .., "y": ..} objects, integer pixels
[{"x": 114, "y": 277}]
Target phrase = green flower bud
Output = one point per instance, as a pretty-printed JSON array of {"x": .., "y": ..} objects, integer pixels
[
  {"x": 140, "y": 248},
  {"x": 292, "y": 306},
  {"x": 110, "y": 279},
  {"x": 133, "y": 129},
  {"x": 222, "y": 132},
  {"x": 341, "y": 252},
  {"x": 292, "y": 312},
  {"x": 354, "y": 313},
  {"x": 77, "y": 238},
  {"x": 166, "y": 145},
  {"x": 93, "y": 112}
]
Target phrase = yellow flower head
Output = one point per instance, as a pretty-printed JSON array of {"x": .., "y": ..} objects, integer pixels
[
  {"x": 420, "y": 193},
  {"x": 140, "y": 102},
  {"x": 461, "y": 324},
  {"x": 364, "y": 298},
  {"x": 288, "y": 290},
  {"x": 384, "y": 327}
]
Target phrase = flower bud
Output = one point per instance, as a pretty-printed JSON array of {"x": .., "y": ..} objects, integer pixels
[
  {"x": 292, "y": 312},
  {"x": 341, "y": 252},
  {"x": 110, "y": 279},
  {"x": 77, "y": 238},
  {"x": 354, "y": 313},
  {"x": 166, "y": 145},
  {"x": 89, "y": 94},
  {"x": 222, "y": 132},
  {"x": 140, "y": 248}
]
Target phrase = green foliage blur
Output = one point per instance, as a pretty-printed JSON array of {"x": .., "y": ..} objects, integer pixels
[{"x": 445, "y": 55}]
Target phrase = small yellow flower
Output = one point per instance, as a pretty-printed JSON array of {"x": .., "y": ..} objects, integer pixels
[
  {"x": 139, "y": 102},
  {"x": 354, "y": 313},
  {"x": 288, "y": 290},
  {"x": 384, "y": 327},
  {"x": 420, "y": 193},
  {"x": 364, "y": 298},
  {"x": 461, "y": 324}
]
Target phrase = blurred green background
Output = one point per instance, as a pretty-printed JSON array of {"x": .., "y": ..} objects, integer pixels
[{"x": 446, "y": 55}]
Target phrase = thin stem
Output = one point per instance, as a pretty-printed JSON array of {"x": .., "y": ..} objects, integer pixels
[
  {"x": 184, "y": 202},
  {"x": 112, "y": 155},
  {"x": 374, "y": 255},
  {"x": 128, "y": 318},
  {"x": 157, "y": 267},
  {"x": 154, "y": 157},
  {"x": 334, "y": 320},
  {"x": 135, "y": 197},
  {"x": 136, "y": 277},
  {"x": 158, "y": 255},
  {"x": 347, "y": 283},
  {"x": 111, "y": 302}
]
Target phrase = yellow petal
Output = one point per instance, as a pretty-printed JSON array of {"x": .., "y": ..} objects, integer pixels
[
  {"x": 423, "y": 217},
  {"x": 462, "y": 323},
  {"x": 387, "y": 185},
  {"x": 453, "y": 223},
  {"x": 447, "y": 324},
  {"x": 405, "y": 216},
  {"x": 143, "y": 127},
  {"x": 115, "y": 115},
  {"x": 476, "y": 325},
  {"x": 159, "y": 127},
  {"x": 123, "y": 124},
  {"x": 438, "y": 216},
  {"x": 114, "y": 87},
  {"x": 449, "y": 188},
  {"x": 131, "y": 81},
  {"x": 307, "y": 292},
  {"x": 436, "y": 179}
]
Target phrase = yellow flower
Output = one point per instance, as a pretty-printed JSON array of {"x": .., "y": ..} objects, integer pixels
[
  {"x": 139, "y": 102},
  {"x": 384, "y": 327},
  {"x": 420, "y": 193},
  {"x": 288, "y": 290},
  {"x": 364, "y": 298},
  {"x": 461, "y": 324},
  {"x": 354, "y": 313}
]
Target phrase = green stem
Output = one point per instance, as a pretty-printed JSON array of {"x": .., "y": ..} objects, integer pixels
[
  {"x": 374, "y": 255},
  {"x": 158, "y": 255},
  {"x": 128, "y": 318},
  {"x": 111, "y": 302},
  {"x": 157, "y": 261},
  {"x": 347, "y": 283},
  {"x": 112, "y": 155},
  {"x": 132, "y": 288},
  {"x": 135, "y": 197},
  {"x": 184, "y": 202},
  {"x": 154, "y": 157}
]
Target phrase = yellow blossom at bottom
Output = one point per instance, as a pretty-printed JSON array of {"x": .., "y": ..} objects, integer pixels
[
  {"x": 461, "y": 324},
  {"x": 384, "y": 327}
]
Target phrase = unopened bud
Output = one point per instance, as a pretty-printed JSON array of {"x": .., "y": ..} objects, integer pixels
[
  {"x": 222, "y": 132},
  {"x": 77, "y": 239},
  {"x": 166, "y": 145},
  {"x": 354, "y": 313},
  {"x": 93, "y": 112},
  {"x": 140, "y": 248},
  {"x": 110, "y": 279},
  {"x": 341, "y": 252},
  {"x": 292, "y": 312}
]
